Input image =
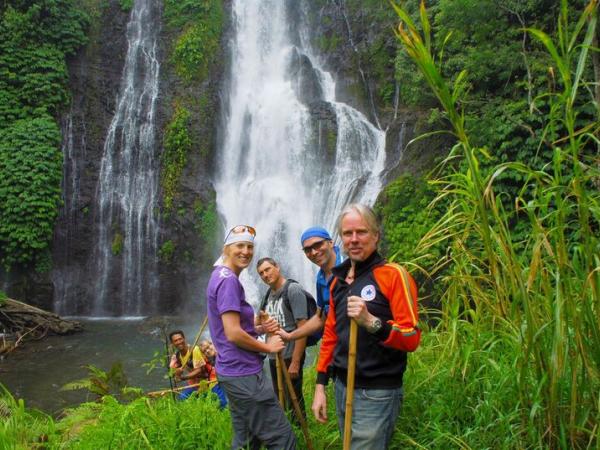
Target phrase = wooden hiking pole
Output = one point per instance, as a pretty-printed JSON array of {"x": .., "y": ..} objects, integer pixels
[
  {"x": 172, "y": 382},
  {"x": 262, "y": 316},
  {"x": 189, "y": 354},
  {"x": 350, "y": 384},
  {"x": 280, "y": 390},
  {"x": 282, "y": 373},
  {"x": 299, "y": 415},
  {"x": 202, "y": 386}
]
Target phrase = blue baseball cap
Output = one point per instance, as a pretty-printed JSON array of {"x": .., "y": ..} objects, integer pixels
[{"x": 314, "y": 232}]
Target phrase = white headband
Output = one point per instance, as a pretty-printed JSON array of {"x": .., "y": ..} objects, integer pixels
[
  {"x": 233, "y": 238},
  {"x": 245, "y": 236}
]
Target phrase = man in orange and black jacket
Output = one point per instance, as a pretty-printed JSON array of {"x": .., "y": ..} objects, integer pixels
[{"x": 381, "y": 297}]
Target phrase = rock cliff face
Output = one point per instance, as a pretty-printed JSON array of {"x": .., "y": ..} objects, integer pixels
[
  {"x": 185, "y": 246},
  {"x": 356, "y": 40},
  {"x": 191, "y": 226},
  {"x": 359, "y": 52},
  {"x": 95, "y": 74}
]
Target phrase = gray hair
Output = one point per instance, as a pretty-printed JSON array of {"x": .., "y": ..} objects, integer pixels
[{"x": 364, "y": 211}]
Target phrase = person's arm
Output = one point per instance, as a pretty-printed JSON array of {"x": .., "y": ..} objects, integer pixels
[
  {"x": 319, "y": 406},
  {"x": 194, "y": 373},
  {"x": 400, "y": 333},
  {"x": 297, "y": 354},
  {"x": 235, "y": 334},
  {"x": 264, "y": 324},
  {"x": 310, "y": 326},
  {"x": 175, "y": 367},
  {"x": 404, "y": 334},
  {"x": 199, "y": 364}
]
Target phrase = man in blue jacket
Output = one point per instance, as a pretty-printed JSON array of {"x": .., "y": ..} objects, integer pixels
[{"x": 318, "y": 247}]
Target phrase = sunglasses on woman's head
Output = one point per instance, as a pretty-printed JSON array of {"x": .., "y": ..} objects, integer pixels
[{"x": 240, "y": 229}]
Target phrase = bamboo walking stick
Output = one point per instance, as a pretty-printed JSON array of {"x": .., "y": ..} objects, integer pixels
[
  {"x": 280, "y": 381},
  {"x": 189, "y": 354},
  {"x": 350, "y": 384},
  {"x": 280, "y": 392},
  {"x": 172, "y": 382},
  {"x": 203, "y": 385},
  {"x": 282, "y": 368},
  {"x": 290, "y": 387}
]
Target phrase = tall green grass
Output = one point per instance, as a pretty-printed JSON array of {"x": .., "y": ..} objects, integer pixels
[
  {"x": 144, "y": 423},
  {"x": 519, "y": 338},
  {"x": 21, "y": 428}
]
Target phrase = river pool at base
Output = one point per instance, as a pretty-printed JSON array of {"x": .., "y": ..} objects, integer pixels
[{"x": 36, "y": 371}]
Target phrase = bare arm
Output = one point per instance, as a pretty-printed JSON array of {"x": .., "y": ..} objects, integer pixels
[
  {"x": 294, "y": 369},
  {"x": 192, "y": 373},
  {"x": 265, "y": 324},
  {"x": 319, "y": 406},
  {"x": 235, "y": 334},
  {"x": 310, "y": 326}
]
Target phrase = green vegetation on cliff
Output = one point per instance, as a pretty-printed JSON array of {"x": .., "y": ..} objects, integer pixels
[
  {"x": 177, "y": 144},
  {"x": 35, "y": 38},
  {"x": 197, "y": 28},
  {"x": 194, "y": 31}
]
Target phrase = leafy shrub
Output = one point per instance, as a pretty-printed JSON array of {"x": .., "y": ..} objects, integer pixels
[
  {"x": 533, "y": 294},
  {"x": 166, "y": 251},
  {"x": 126, "y": 5},
  {"x": 197, "y": 44},
  {"x": 207, "y": 224},
  {"x": 177, "y": 144},
  {"x": 35, "y": 37},
  {"x": 407, "y": 215},
  {"x": 31, "y": 168}
]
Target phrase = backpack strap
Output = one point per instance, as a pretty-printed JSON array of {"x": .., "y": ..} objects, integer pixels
[
  {"x": 284, "y": 294},
  {"x": 263, "y": 303}
]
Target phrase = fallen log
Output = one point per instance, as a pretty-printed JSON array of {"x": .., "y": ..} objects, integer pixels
[{"x": 23, "y": 321}]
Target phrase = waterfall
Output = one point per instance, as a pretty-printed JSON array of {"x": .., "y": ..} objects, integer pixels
[
  {"x": 272, "y": 171},
  {"x": 126, "y": 231},
  {"x": 65, "y": 276}
]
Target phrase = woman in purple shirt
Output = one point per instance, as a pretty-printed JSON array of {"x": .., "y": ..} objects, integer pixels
[{"x": 256, "y": 416}]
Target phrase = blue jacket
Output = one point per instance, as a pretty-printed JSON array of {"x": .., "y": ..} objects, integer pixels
[{"x": 323, "y": 284}]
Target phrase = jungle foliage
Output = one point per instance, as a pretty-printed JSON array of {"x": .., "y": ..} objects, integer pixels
[
  {"x": 35, "y": 38},
  {"x": 132, "y": 422},
  {"x": 513, "y": 361}
]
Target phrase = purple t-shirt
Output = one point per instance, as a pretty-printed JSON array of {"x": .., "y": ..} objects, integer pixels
[{"x": 225, "y": 293}]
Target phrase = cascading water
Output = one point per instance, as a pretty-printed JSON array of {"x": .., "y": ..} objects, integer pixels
[
  {"x": 126, "y": 227},
  {"x": 272, "y": 174},
  {"x": 73, "y": 156}
]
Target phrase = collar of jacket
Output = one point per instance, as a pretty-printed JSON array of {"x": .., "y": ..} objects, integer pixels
[{"x": 360, "y": 268}]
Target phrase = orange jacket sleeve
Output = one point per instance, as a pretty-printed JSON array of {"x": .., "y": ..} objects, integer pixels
[
  {"x": 328, "y": 342},
  {"x": 405, "y": 334}
]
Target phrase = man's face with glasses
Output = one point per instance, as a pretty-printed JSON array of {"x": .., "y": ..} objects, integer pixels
[{"x": 318, "y": 250}]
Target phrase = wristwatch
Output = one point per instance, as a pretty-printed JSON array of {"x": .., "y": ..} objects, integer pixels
[{"x": 375, "y": 326}]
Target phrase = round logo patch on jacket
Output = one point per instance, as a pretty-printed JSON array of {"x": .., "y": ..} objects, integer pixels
[{"x": 368, "y": 292}]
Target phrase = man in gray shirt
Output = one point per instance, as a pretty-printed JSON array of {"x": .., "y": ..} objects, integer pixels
[{"x": 285, "y": 302}]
